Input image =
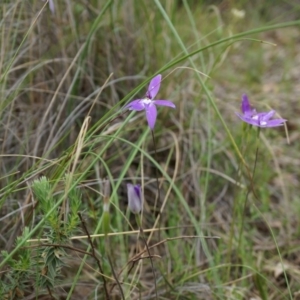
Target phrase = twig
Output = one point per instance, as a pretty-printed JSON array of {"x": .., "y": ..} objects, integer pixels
[
  {"x": 114, "y": 233},
  {"x": 95, "y": 256},
  {"x": 115, "y": 277},
  {"x": 151, "y": 261},
  {"x": 50, "y": 294}
]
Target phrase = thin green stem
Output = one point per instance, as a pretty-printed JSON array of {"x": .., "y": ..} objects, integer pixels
[
  {"x": 95, "y": 256},
  {"x": 139, "y": 222},
  {"x": 243, "y": 216},
  {"x": 157, "y": 198}
]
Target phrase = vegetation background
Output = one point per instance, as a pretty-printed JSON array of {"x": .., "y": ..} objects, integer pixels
[{"x": 226, "y": 222}]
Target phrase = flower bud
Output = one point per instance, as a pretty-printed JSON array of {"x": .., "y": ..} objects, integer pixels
[{"x": 134, "y": 194}]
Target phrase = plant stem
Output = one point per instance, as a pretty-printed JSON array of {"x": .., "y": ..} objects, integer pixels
[
  {"x": 95, "y": 256},
  {"x": 138, "y": 220}
]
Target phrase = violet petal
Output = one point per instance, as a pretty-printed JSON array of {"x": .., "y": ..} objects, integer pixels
[
  {"x": 248, "y": 120},
  {"x": 52, "y": 6},
  {"x": 151, "y": 114},
  {"x": 245, "y": 107},
  {"x": 134, "y": 198},
  {"x": 268, "y": 115},
  {"x": 275, "y": 122},
  {"x": 154, "y": 87},
  {"x": 164, "y": 103},
  {"x": 135, "y": 105}
]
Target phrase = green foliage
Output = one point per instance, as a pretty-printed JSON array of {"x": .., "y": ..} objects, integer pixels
[
  {"x": 20, "y": 270},
  {"x": 50, "y": 268},
  {"x": 43, "y": 192},
  {"x": 60, "y": 228},
  {"x": 48, "y": 259}
]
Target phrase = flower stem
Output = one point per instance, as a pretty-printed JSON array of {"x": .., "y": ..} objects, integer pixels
[
  {"x": 157, "y": 198},
  {"x": 138, "y": 220},
  {"x": 106, "y": 229},
  {"x": 249, "y": 189},
  {"x": 95, "y": 256}
]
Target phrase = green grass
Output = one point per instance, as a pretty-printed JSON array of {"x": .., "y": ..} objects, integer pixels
[{"x": 225, "y": 230}]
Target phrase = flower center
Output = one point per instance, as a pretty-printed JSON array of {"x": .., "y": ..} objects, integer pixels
[
  {"x": 263, "y": 123},
  {"x": 146, "y": 101}
]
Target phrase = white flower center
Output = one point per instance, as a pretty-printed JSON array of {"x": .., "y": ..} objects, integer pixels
[
  {"x": 255, "y": 117},
  {"x": 263, "y": 123},
  {"x": 146, "y": 101}
]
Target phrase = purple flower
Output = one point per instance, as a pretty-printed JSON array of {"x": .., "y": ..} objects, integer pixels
[
  {"x": 262, "y": 119},
  {"x": 134, "y": 195},
  {"x": 148, "y": 103}
]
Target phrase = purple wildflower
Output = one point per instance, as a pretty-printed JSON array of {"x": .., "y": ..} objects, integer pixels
[
  {"x": 262, "y": 119},
  {"x": 148, "y": 103},
  {"x": 134, "y": 195}
]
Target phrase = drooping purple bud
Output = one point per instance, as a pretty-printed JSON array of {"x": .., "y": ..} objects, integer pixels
[
  {"x": 135, "y": 201},
  {"x": 51, "y": 6}
]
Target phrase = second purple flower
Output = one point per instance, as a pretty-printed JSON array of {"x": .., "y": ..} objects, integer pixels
[
  {"x": 148, "y": 103},
  {"x": 262, "y": 119}
]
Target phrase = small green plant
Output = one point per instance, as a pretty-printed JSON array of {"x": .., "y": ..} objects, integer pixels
[
  {"x": 40, "y": 266},
  {"x": 60, "y": 225},
  {"x": 19, "y": 273}
]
